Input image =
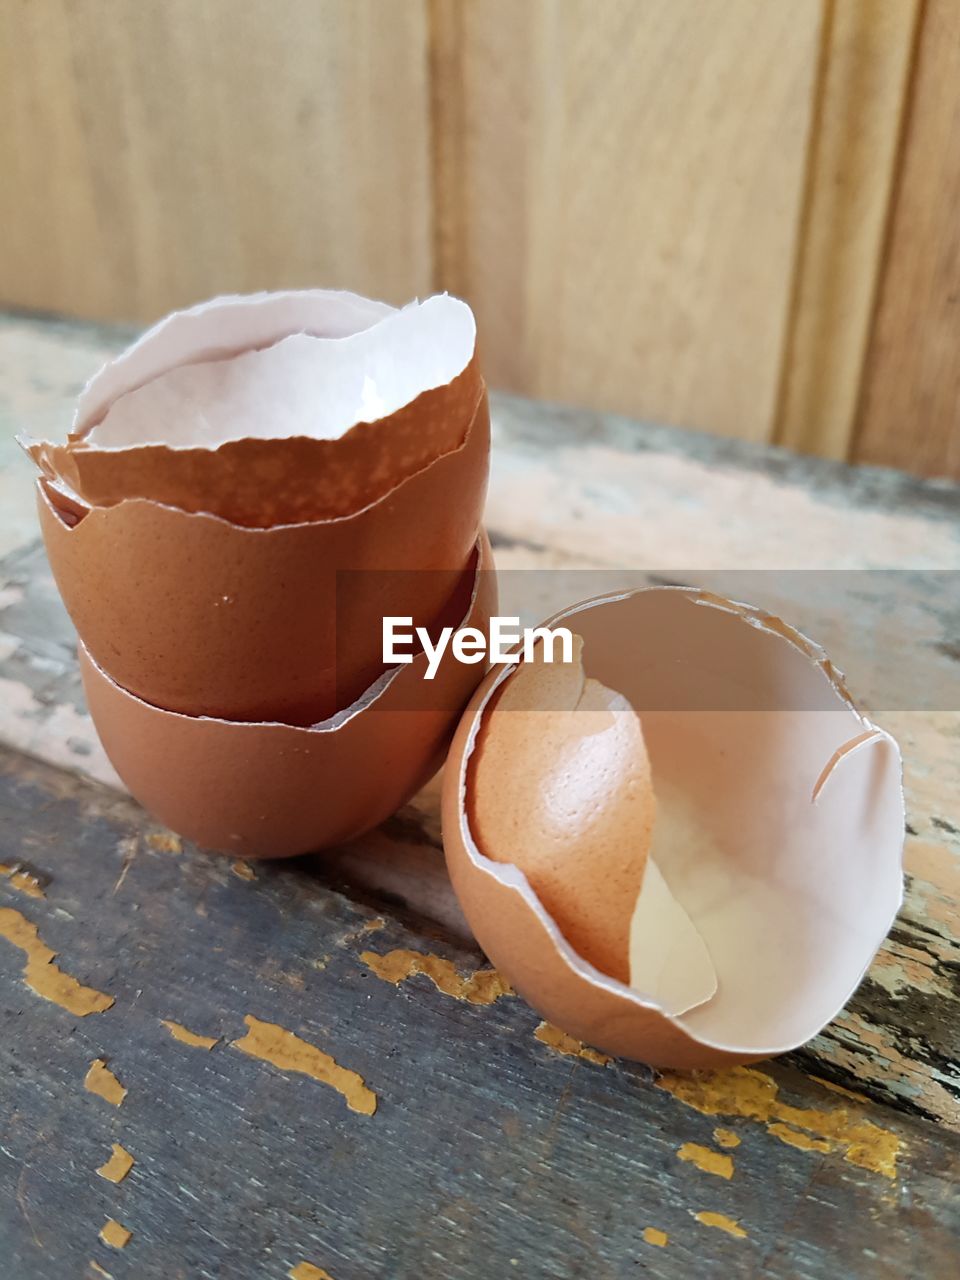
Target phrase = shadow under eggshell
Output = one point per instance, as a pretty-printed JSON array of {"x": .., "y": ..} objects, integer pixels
[
  {"x": 201, "y": 616},
  {"x": 276, "y": 790},
  {"x": 791, "y": 891}
]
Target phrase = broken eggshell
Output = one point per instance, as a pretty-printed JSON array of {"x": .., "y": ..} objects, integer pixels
[
  {"x": 275, "y": 790},
  {"x": 347, "y": 399},
  {"x": 779, "y": 833},
  {"x": 202, "y": 616},
  {"x": 561, "y": 772}
]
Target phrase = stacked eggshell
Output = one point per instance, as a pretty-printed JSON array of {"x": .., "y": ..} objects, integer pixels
[
  {"x": 684, "y": 846},
  {"x": 245, "y": 493}
]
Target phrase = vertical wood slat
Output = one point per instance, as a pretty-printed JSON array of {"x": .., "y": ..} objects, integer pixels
[
  {"x": 910, "y": 409},
  {"x": 631, "y": 181},
  {"x": 156, "y": 152},
  {"x": 867, "y": 57}
]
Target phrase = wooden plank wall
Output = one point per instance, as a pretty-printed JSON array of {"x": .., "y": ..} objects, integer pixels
[
  {"x": 153, "y": 152},
  {"x": 737, "y": 216},
  {"x": 910, "y": 415}
]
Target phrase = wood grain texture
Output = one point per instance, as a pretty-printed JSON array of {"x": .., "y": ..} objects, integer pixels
[
  {"x": 493, "y": 1138},
  {"x": 159, "y": 152},
  {"x": 910, "y": 412},
  {"x": 866, "y": 60},
  {"x": 628, "y": 199},
  {"x": 488, "y": 1143}
]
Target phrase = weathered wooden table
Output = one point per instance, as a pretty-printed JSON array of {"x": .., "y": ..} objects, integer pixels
[{"x": 400, "y": 1115}]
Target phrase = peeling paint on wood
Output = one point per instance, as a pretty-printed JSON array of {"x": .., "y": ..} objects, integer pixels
[
  {"x": 101, "y": 1081},
  {"x": 705, "y": 1160},
  {"x": 42, "y": 975},
  {"x": 482, "y": 987},
  {"x": 181, "y": 1033},
  {"x": 560, "y": 1042},
  {"x": 722, "y": 1223},
  {"x": 474, "y": 1101},
  {"x": 725, "y": 1138},
  {"x": 118, "y": 1166},
  {"x": 307, "y": 1271},
  {"x": 747, "y": 1092},
  {"x": 115, "y": 1234},
  {"x": 656, "y": 1237},
  {"x": 286, "y": 1051},
  {"x": 795, "y": 1138},
  {"x": 25, "y": 881}
]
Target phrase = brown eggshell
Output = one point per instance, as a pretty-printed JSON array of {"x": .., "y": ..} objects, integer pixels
[
  {"x": 274, "y": 790},
  {"x": 562, "y": 783},
  {"x": 273, "y": 408},
  {"x": 263, "y": 482},
  {"x": 201, "y": 616},
  {"x": 779, "y": 828}
]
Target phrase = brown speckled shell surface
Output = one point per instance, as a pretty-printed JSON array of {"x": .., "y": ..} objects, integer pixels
[
  {"x": 197, "y": 615},
  {"x": 276, "y": 790}
]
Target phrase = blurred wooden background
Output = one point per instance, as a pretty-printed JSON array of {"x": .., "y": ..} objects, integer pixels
[{"x": 740, "y": 215}]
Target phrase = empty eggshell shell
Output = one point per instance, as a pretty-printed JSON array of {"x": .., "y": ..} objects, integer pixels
[
  {"x": 199, "y": 615},
  {"x": 562, "y": 785},
  {"x": 315, "y": 426},
  {"x": 779, "y": 831},
  {"x": 275, "y": 790},
  {"x": 259, "y": 482}
]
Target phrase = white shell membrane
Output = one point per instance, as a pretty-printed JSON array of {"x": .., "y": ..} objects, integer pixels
[{"x": 273, "y": 366}]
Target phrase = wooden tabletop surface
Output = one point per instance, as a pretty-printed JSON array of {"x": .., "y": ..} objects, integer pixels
[{"x": 311, "y": 1065}]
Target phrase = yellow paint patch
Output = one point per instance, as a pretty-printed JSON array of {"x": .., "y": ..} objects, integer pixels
[
  {"x": 560, "y": 1042},
  {"x": 243, "y": 870},
  {"x": 189, "y": 1037},
  {"x": 283, "y": 1049},
  {"x": 653, "y": 1235},
  {"x": 26, "y": 882},
  {"x": 307, "y": 1271},
  {"x": 746, "y": 1092},
  {"x": 165, "y": 842},
  {"x": 101, "y": 1081},
  {"x": 483, "y": 987},
  {"x": 725, "y": 1138},
  {"x": 42, "y": 975},
  {"x": 118, "y": 1166},
  {"x": 722, "y": 1223},
  {"x": 22, "y": 880},
  {"x": 705, "y": 1160},
  {"x": 795, "y": 1138},
  {"x": 114, "y": 1234}
]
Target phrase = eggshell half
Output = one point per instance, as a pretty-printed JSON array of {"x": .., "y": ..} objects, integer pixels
[
  {"x": 259, "y": 482},
  {"x": 327, "y": 417},
  {"x": 199, "y": 615},
  {"x": 274, "y": 790},
  {"x": 779, "y": 830}
]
